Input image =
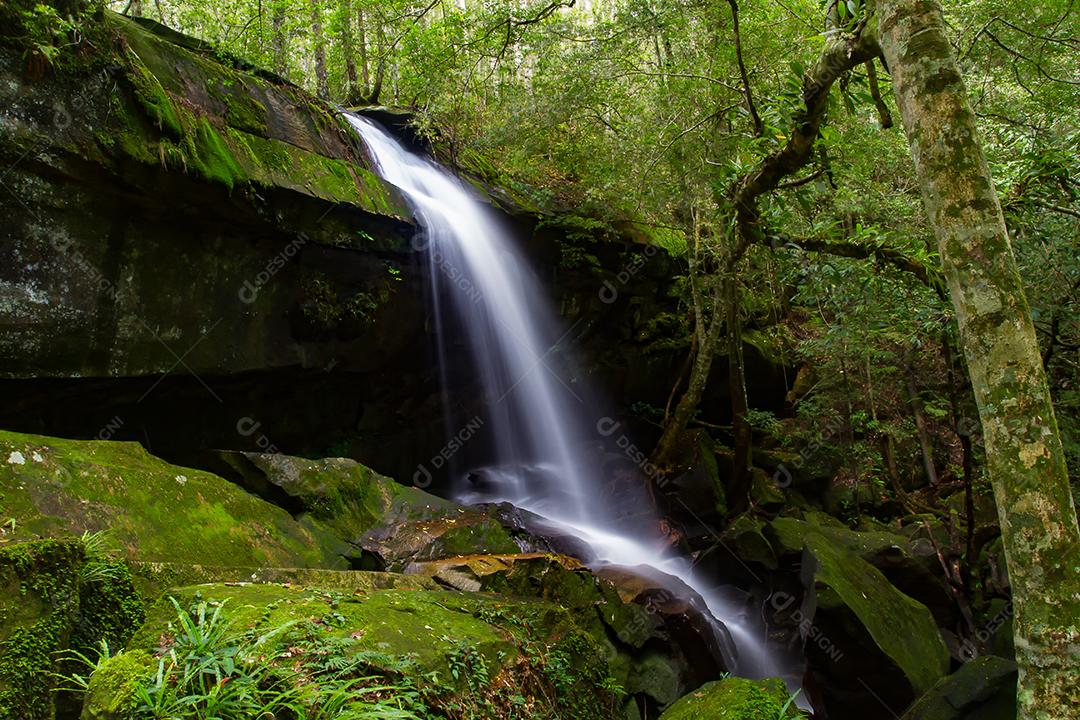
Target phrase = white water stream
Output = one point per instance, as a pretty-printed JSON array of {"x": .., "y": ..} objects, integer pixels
[{"x": 537, "y": 419}]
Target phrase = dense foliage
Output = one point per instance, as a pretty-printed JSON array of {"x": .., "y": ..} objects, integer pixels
[{"x": 635, "y": 110}]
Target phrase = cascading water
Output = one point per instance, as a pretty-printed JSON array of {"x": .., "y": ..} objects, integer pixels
[{"x": 538, "y": 420}]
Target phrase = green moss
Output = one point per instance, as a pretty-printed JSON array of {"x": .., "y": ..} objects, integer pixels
[
  {"x": 112, "y": 694},
  {"x": 903, "y": 628},
  {"x": 734, "y": 699},
  {"x": 788, "y": 534},
  {"x": 153, "y": 579},
  {"x": 55, "y": 600},
  {"x": 39, "y": 605},
  {"x": 461, "y": 651},
  {"x": 226, "y": 136},
  {"x": 155, "y": 101},
  {"x": 747, "y": 541},
  {"x": 110, "y": 608},
  {"x": 216, "y": 161},
  {"x": 66, "y": 487},
  {"x": 486, "y": 536}
]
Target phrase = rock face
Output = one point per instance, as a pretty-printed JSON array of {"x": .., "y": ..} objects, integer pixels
[{"x": 156, "y": 194}]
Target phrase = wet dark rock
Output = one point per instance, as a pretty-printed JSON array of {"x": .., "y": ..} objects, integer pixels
[
  {"x": 706, "y": 644},
  {"x": 983, "y": 689}
]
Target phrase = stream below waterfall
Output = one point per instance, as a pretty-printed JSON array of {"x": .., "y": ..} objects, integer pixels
[{"x": 537, "y": 418}]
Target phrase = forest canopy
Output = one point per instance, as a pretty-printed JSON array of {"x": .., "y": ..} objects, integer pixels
[{"x": 856, "y": 223}]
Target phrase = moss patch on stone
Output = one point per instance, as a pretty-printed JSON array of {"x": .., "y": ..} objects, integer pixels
[
  {"x": 156, "y": 511},
  {"x": 463, "y": 653},
  {"x": 903, "y": 628},
  {"x": 735, "y": 699},
  {"x": 154, "y": 579},
  {"x": 54, "y": 599}
]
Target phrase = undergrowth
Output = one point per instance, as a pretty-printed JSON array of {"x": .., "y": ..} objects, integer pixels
[{"x": 206, "y": 668}]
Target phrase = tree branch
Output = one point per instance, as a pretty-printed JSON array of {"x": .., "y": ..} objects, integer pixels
[
  {"x": 840, "y": 54},
  {"x": 755, "y": 119}
]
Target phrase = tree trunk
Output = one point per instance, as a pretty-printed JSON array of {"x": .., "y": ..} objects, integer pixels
[
  {"x": 1024, "y": 455},
  {"x": 361, "y": 41},
  {"x": 322, "y": 83},
  {"x": 352, "y": 91},
  {"x": 684, "y": 411},
  {"x": 278, "y": 40},
  {"x": 921, "y": 431}
]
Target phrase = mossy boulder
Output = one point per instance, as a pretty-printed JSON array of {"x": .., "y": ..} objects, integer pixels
[
  {"x": 399, "y": 540},
  {"x": 908, "y": 559},
  {"x": 383, "y": 524},
  {"x": 462, "y": 654},
  {"x": 983, "y": 689},
  {"x": 54, "y": 600},
  {"x": 155, "y": 511},
  {"x": 735, "y": 699},
  {"x": 658, "y": 643},
  {"x": 556, "y": 578},
  {"x": 863, "y": 637}
]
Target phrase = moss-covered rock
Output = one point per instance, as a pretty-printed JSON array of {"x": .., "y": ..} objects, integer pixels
[
  {"x": 735, "y": 699},
  {"x": 746, "y": 539},
  {"x": 382, "y": 523},
  {"x": 51, "y": 487},
  {"x": 153, "y": 579},
  {"x": 983, "y": 689},
  {"x": 136, "y": 153},
  {"x": 463, "y": 654},
  {"x": 55, "y": 600},
  {"x": 659, "y": 644},
  {"x": 556, "y": 578},
  {"x": 861, "y": 633}
]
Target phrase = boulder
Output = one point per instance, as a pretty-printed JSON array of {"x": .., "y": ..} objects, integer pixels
[
  {"x": 983, "y": 689},
  {"x": 400, "y": 540},
  {"x": 660, "y": 643},
  {"x": 909, "y": 561},
  {"x": 866, "y": 642},
  {"x": 456, "y": 654},
  {"x": 386, "y": 524},
  {"x": 735, "y": 699},
  {"x": 155, "y": 511},
  {"x": 705, "y": 648}
]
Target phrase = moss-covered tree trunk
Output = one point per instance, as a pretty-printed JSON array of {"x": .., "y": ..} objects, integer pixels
[{"x": 1023, "y": 448}]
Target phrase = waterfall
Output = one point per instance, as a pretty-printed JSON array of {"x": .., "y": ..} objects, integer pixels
[{"x": 539, "y": 422}]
